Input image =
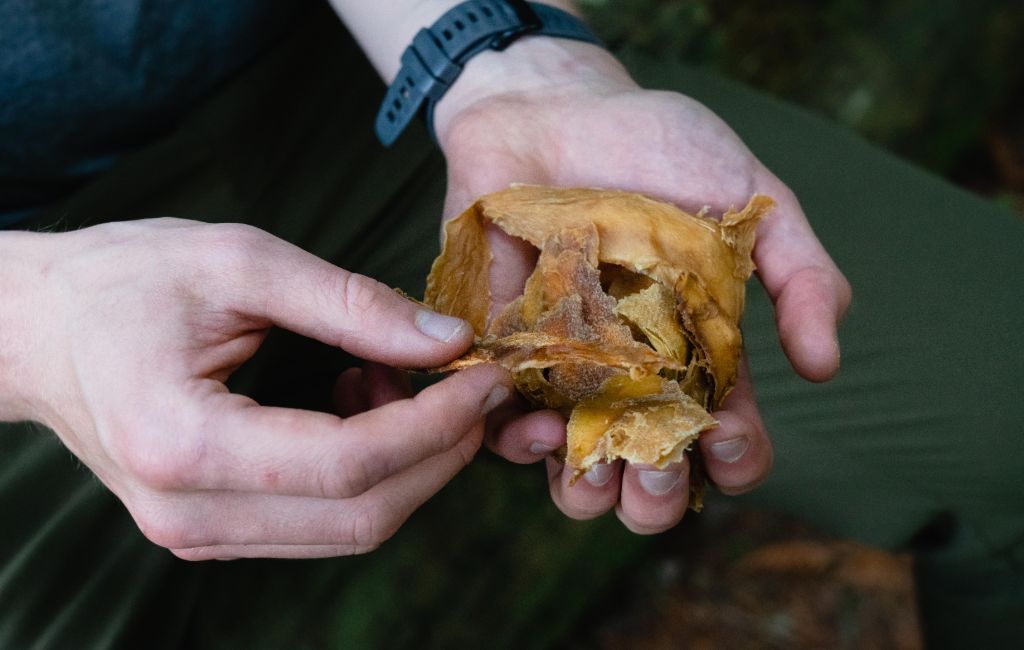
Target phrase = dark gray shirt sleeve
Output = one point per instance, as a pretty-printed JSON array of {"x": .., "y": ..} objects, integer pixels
[{"x": 84, "y": 81}]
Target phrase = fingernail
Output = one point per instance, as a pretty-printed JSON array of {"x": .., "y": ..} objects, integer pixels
[
  {"x": 657, "y": 483},
  {"x": 731, "y": 450},
  {"x": 438, "y": 326},
  {"x": 497, "y": 395},
  {"x": 540, "y": 448},
  {"x": 599, "y": 474}
]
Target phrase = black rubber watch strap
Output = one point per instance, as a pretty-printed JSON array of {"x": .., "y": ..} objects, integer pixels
[{"x": 434, "y": 60}]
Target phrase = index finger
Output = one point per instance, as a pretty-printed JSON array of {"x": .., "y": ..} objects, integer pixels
[
  {"x": 808, "y": 290},
  {"x": 252, "y": 448}
]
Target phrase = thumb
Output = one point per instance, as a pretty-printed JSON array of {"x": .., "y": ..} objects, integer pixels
[
  {"x": 809, "y": 291},
  {"x": 513, "y": 259},
  {"x": 300, "y": 292}
]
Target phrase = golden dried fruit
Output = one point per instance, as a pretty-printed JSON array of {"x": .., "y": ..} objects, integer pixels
[{"x": 629, "y": 324}]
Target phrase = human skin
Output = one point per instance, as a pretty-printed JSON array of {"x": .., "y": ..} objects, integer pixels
[
  {"x": 120, "y": 337},
  {"x": 560, "y": 112}
]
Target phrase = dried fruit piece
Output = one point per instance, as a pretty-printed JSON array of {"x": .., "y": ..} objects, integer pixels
[
  {"x": 652, "y": 312},
  {"x": 629, "y": 324},
  {"x": 524, "y": 350},
  {"x": 648, "y": 421}
]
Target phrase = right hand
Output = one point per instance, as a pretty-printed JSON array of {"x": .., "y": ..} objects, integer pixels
[{"x": 127, "y": 334}]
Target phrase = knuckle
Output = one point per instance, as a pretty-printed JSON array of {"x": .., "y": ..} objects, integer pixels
[
  {"x": 363, "y": 531},
  {"x": 443, "y": 418},
  {"x": 153, "y": 457},
  {"x": 357, "y": 299},
  {"x": 231, "y": 235},
  {"x": 359, "y": 294},
  {"x": 235, "y": 246},
  {"x": 815, "y": 283},
  {"x": 350, "y": 477},
  {"x": 369, "y": 527},
  {"x": 468, "y": 447},
  {"x": 165, "y": 526},
  {"x": 162, "y": 469}
]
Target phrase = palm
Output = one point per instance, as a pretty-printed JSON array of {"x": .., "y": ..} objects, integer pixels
[
  {"x": 670, "y": 147},
  {"x": 667, "y": 146}
]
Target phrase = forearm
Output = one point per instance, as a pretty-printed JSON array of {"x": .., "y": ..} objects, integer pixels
[{"x": 384, "y": 29}]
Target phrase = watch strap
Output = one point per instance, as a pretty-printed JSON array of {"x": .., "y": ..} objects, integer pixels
[{"x": 434, "y": 60}]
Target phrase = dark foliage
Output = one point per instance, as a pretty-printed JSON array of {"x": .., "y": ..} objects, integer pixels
[{"x": 938, "y": 81}]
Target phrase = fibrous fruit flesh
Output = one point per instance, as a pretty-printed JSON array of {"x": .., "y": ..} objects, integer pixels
[{"x": 628, "y": 325}]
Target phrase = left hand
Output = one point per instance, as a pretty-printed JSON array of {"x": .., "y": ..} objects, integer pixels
[{"x": 558, "y": 112}]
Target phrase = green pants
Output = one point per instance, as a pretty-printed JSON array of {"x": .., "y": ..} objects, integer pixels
[{"x": 919, "y": 443}]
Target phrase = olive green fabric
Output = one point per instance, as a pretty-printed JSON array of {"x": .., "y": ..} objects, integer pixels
[{"x": 917, "y": 443}]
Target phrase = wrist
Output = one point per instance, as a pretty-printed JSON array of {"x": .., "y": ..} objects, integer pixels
[
  {"x": 532, "y": 66},
  {"x": 23, "y": 283},
  {"x": 384, "y": 29}
]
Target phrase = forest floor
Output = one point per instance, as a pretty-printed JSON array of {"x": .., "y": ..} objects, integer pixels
[{"x": 748, "y": 579}]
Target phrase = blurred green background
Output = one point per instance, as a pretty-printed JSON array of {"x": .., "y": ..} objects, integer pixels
[{"x": 940, "y": 82}]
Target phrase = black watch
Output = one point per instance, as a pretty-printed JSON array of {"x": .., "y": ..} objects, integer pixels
[{"x": 434, "y": 60}]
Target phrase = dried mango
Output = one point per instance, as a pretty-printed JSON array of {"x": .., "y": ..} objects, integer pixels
[{"x": 629, "y": 323}]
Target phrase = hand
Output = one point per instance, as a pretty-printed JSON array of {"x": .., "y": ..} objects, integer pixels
[
  {"x": 131, "y": 330},
  {"x": 563, "y": 113}
]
